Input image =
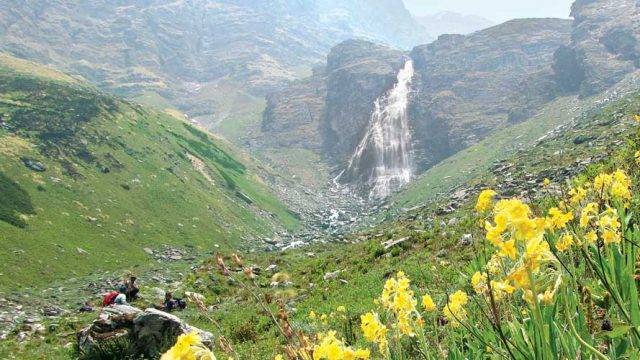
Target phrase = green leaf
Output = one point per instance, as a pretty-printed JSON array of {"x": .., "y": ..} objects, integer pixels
[{"x": 617, "y": 332}]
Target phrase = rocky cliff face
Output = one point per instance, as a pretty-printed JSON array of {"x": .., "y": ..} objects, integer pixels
[
  {"x": 464, "y": 88},
  {"x": 467, "y": 86},
  {"x": 329, "y": 111},
  {"x": 153, "y": 43},
  {"x": 604, "y": 45},
  {"x": 357, "y": 74}
]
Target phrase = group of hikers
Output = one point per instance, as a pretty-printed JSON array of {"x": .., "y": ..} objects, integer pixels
[{"x": 128, "y": 292}]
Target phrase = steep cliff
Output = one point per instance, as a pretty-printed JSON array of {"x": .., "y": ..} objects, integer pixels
[
  {"x": 467, "y": 86},
  {"x": 196, "y": 55},
  {"x": 604, "y": 45},
  {"x": 128, "y": 43},
  {"x": 464, "y": 88}
]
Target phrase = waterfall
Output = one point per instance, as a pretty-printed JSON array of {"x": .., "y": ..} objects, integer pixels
[{"x": 383, "y": 160}]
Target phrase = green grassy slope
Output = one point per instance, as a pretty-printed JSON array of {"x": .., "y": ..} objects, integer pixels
[
  {"x": 471, "y": 162},
  {"x": 433, "y": 258},
  {"x": 118, "y": 178}
]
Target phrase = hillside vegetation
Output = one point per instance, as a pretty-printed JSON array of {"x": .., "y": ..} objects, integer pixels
[
  {"x": 91, "y": 180},
  {"x": 549, "y": 276},
  {"x": 591, "y": 310}
]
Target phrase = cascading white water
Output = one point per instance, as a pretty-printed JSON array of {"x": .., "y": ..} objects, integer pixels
[{"x": 384, "y": 158}]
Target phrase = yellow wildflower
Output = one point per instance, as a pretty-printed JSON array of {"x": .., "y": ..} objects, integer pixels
[
  {"x": 428, "y": 304},
  {"x": 188, "y": 347},
  {"x": 558, "y": 219},
  {"x": 564, "y": 243},
  {"x": 330, "y": 348},
  {"x": 508, "y": 249},
  {"x": 373, "y": 329},
  {"x": 485, "y": 200},
  {"x": 479, "y": 282},
  {"x": 610, "y": 237}
]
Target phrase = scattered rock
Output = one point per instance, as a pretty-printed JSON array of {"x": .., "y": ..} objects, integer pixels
[
  {"x": 332, "y": 275},
  {"x": 272, "y": 268},
  {"x": 466, "y": 240},
  {"x": 34, "y": 165}
]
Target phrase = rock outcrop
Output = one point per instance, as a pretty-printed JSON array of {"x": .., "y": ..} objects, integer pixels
[
  {"x": 131, "y": 46},
  {"x": 604, "y": 45},
  {"x": 147, "y": 331},
  {"x": 464, "y": 88},
  {"x": 328, "y": 113},
  {"x": 468, "y": 86}
]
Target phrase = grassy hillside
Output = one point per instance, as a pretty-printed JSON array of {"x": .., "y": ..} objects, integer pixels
[
  {"x": 437, "y": 262},
  {"x": 321, "y": 278},
  {"x": 90, "y": 180},
  {"x": 470, "y": 166}
]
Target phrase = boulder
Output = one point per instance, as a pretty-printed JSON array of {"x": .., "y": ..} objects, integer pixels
[
  {"x": 153, "y": 326},
  {"x": 148, "y": 330}
]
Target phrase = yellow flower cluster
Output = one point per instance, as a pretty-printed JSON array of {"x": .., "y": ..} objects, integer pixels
[
  {"x": 614, "y": 186},
  {"x": 374, "y": 330},
  {"x": 479, "y": 282},
  {"x": 519, "y": 238},
  {"x": 398, "y": 297},
  {"x": 485, "y": 200},
  {"x": 520, "y": 247},
  {"x": 331, "y": 348},
  {"x": 427, "y": 303},
  {"x": 188, "y": 347},
  {"x": 454, "y": 310}
]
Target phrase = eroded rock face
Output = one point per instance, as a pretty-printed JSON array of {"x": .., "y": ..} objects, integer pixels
[
  {"x": 328, "y": 113},
  {"x": 133, "y": 45},
  {"x": 147, "y": 330},
  {"x": 605, "y": 43},
  {"x": 358, "y": 72},
  {"x": 468, "y": 86},
  {"x": 464, "y": 88}
]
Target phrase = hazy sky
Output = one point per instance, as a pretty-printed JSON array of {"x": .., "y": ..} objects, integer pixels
[{"x": 496, "y": 10}]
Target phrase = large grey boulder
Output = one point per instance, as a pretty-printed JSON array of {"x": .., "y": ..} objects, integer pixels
[
  {"x": 152, "y": 327},
  {"x": 148, "y": 331}
]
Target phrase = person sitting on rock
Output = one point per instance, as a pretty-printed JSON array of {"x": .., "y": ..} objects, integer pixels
[
  {"x": 169, "y": 304},
  {"x": 121, "y": 299},
  {"x": 132, "y": 289},
  {"x": 110, "y": 298}
]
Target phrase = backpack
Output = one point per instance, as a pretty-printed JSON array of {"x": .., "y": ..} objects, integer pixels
[
  {"x": 180, "y": 303},
  {"x": 110, "y": 298}
]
